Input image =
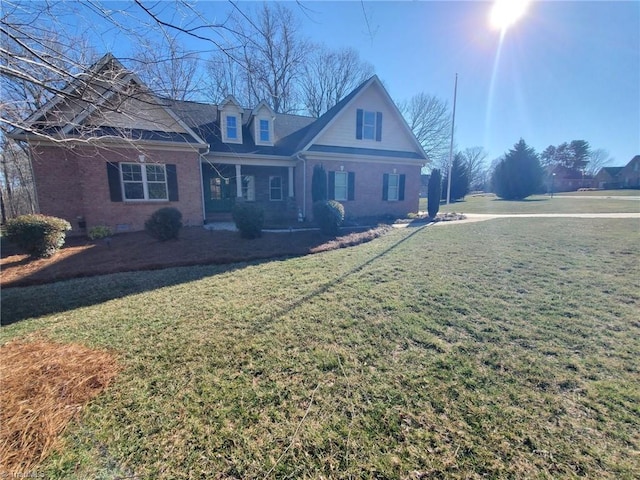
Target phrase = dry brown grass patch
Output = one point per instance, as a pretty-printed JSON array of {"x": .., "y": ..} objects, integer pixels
[{"x": 44, "y": 385}]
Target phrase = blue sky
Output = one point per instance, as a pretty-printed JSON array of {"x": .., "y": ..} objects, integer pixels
[{"x": 568, "y": 70}]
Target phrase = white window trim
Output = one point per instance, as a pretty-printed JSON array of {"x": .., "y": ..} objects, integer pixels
[
  {"x": 375, "y": 121},
  {"x": 145, "y": 183},
  {"x": 225, "y": 137},
  {"x": 271, "y": 190},
  {"x": 346, "y": 186},
  {"x": 249, "y": 194},
  {"x": 256, "y": 126},
  {"x": 396, "y": 186}
]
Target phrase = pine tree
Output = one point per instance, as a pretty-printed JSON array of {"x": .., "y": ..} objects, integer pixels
[
  {"x": 459, "y": 179},
  {"x": 518, "y": 174}
]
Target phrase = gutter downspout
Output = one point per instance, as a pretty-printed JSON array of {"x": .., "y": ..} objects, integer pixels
[{"x": 304, "y": 185}]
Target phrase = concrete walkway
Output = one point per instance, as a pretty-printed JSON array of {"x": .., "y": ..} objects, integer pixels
[
  {"x": 471, "y": 217},
  {"x": 600, "y": 197},
  {"x": 478, "y": 217}
]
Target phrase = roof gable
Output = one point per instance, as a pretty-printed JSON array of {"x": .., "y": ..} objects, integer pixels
[
  {"x": 337, "y": 127},
  {"x": 108, "y": 98}
]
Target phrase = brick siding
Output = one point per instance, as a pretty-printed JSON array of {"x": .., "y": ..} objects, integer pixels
[
  {"x": 368, "y": 200},
  {"x": 73, "y": 184}
]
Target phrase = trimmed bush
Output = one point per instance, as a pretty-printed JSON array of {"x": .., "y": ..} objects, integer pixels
[
  {"x": 39, "y": 235},
  {"x": 99, "y": 231},
  {"x": 329, "y": 215},
  {"x": 164, "y": 224},
  {"x": 249, "y": 220}
]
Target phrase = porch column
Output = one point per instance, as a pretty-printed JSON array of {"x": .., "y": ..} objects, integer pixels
[
  {"x": 290, "y": 182},
  {"x": 238, "y": 180}
]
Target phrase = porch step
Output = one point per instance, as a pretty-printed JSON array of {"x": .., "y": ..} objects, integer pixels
[{"x": 219, "y": 217}]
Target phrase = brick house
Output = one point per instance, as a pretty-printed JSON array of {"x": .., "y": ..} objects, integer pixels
[
  {"x": 620, "y": 177},
  {"x": 107, "y": 151},
  {"x": 607, "y": 178},
  {"x": 629, "y": 176}
]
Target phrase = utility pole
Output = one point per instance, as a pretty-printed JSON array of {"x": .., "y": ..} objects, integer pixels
[{"x": 453, "y": 124}]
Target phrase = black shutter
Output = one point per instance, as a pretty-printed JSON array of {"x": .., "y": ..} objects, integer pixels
[
  {"x": 401, "y": 188},
  {"x": 359, "y": 120},
  {"x": 113, "y": 176},
  {"x": 351, "y": 189},
  {"x": 378, "y": 126},
  {"x": 385, "y": 186},
  {"x": 332, "y": 186},
  {"x": 172, "y": 182}
]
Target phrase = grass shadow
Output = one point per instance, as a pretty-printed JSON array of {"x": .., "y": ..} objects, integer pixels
[
  {"x": 31, "y": 302},
  {"x": 66, "y": 285}
]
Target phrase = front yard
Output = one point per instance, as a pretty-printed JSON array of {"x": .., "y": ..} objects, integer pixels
[
  {"x": 501, "y": 349},
  {"x": 138, "y": 251}
]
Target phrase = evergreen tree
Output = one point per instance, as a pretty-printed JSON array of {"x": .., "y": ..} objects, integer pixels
[
  {"x": 433, "y": 193},
  {"x": 459, "y": 179},
  {"x": 518, "y": 174},
  {"x": 319, "y": 184}
]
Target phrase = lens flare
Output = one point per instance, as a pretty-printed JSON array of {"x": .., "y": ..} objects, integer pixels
[{"x": 507, "y": 12}]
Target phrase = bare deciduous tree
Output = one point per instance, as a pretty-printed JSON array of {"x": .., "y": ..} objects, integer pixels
[
  {"x": 474, "y": 159},
  {"x": 169, "y": 69},
  {"x": 430, "y": 120},
  {"x": 598, "y": 158},
  {"x": 263, "y": 60},
  {"x": 329, "y": 75}
]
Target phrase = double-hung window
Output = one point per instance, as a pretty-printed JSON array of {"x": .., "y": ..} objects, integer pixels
[
  {"x": 249, "y": 188},
  {"x": 144, "y": 182},
  {"x": 275, "y": 188},
  {"x": 368, "y": 125},
  {"x": 341, "y": 186},
  {"x": 232, "y": 127},
  {"x": 264, "y": 131},
  {"x": 393, "y": 185}
]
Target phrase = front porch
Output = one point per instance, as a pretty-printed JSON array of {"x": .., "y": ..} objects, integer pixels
[{"x": 269, "y": 187}]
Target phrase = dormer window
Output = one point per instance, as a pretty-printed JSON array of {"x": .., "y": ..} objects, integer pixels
[
  {"x": 265, "y": 131},
  {"x": 231, "y": 120},
  {"x": 262, "y": 129},
  {"x": 232, "y": 127}
]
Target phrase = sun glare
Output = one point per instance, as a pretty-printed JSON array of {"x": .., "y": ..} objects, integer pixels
[{"x": 507, "y": 12}]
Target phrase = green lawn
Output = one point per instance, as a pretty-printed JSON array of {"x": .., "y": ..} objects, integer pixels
[
  {"x": 501, "y": 349},
  {"x": 540, "y": 204}
]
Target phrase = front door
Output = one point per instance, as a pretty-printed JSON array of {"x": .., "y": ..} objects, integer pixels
[{"x": 219, "y": 191}]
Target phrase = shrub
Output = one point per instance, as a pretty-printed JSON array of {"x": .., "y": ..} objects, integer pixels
[
  {"x": 39, "y": 235},
  {"x": 99, "y": 231},
  {"x": 164, "y": 224},
  {"x": 249, "y": 220},
  {"x": 434, "y": 191},
  {"x": 329, "y": 215}
]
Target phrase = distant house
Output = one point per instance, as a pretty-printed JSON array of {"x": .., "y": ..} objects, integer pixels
[
  {"x": 110, "y": 152},
  {"x": 620, "y": 177},
  {"x": 629, "y": 176},
  {"x": 607, "y": 177}
]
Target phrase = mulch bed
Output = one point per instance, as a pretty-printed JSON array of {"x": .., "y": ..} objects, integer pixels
[
  {"x": 44, "y": 385},
  {"x": 136, "y": 251}
]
